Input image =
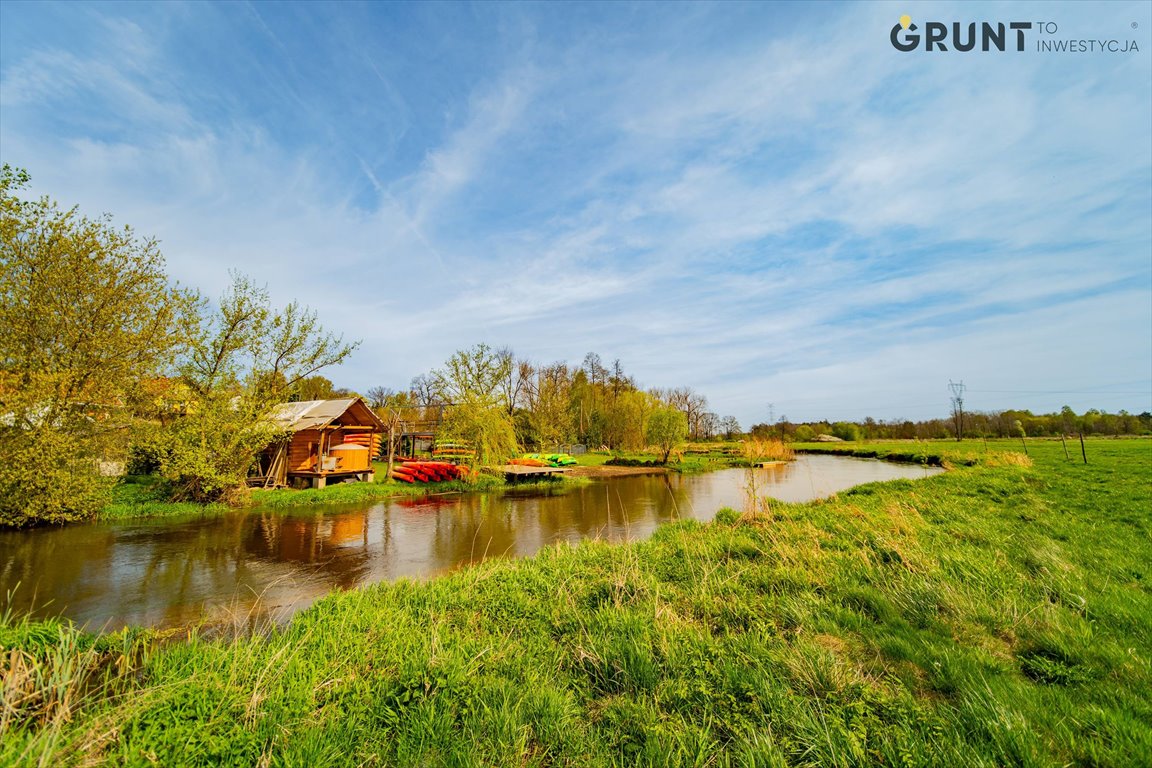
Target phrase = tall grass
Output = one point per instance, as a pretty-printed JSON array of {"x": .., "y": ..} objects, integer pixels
[
  {"x": 999, "y": 614},
  {"x": 757, "y": 449}
]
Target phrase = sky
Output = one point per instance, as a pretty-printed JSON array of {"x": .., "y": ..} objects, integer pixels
[{"x": 766, "y": 202}]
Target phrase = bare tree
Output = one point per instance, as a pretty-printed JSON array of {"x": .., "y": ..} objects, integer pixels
[{"x": 378, "y": 396}]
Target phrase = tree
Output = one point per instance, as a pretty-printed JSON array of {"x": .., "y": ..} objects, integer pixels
[
  {"x": 731, "y": 427},
  {"x": 626, "y": 417},
  {"x": 548, "y": 397},
  {"x": 378, "y": 397},
  {"x": 709, "y": 426},
  {"x": 471, "y": 382},
  {"x": 804, "y": 433},
  {"x": 87, "y": 315},
  {"x": 692, "y": 404},
  {"x": 476, "y": 374},
  {"x": 314, "y": 388},
  {"x": 667, "y": 428},
  {"x": 244, "y": 359},
  {"x": 388, "y": 405},
  {"x": 846, "y": 430}
]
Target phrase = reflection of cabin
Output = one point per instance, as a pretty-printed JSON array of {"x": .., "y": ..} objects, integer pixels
[{"x": 328, "y": 440}]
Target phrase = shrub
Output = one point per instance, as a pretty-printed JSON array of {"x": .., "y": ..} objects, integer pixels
[{"x": 45, "y": 479}]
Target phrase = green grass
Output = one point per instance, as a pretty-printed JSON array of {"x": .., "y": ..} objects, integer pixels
[
  {"x": 698, "y": 457},
  {"x": 145, "y": 496},
  {"x": 994, "y": 615}
]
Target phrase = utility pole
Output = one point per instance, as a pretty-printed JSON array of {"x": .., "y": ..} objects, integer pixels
[{"x": 957, "y": 388}]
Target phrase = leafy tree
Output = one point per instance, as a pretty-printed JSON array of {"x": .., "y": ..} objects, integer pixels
[
  {"x": 245, "y": 358},
  {"x": 475, "y": 375},
  {"x": 548, "y": 396},
  {"x": 804, "y": 433},
  {"x": 87, "y": 315},
  {"x": 314, "y": 388},
  {"x": 846, "y": 430},
  {"x": 488, "y": 431},
  {"x": 626, "y": 415},
  {"x": 667, "y": 428},
  {"x": 472, "y": 381}
]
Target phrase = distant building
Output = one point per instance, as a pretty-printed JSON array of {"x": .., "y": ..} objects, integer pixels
[{"x": 328, "y": 440}]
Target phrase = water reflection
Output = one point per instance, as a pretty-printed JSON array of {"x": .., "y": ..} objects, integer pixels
[{"x": 274, "y": 562}]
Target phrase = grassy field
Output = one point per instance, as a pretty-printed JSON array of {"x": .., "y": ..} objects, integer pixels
[{"x": 999, "y": 614}]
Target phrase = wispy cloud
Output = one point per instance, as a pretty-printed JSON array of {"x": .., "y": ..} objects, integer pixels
[{"x": 767, "y": 203}]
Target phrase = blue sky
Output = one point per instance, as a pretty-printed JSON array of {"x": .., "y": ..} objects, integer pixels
[{"x": 765, "y": 202}]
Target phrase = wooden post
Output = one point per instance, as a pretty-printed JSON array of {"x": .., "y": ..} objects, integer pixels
[
  {"x": 1082, "y": 451},
  {"x": 1065, "y": 444}
]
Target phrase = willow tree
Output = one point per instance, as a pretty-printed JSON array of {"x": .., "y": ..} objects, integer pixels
[
  {"x": 87, "y": 315},
  {"x": 472, "y": 382},
  {"x": 667, "y": 428}
]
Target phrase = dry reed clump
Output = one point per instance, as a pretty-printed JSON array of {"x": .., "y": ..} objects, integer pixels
[
  {"x": 760, "y": 449},
  {"x": 1008, "y": 459}
]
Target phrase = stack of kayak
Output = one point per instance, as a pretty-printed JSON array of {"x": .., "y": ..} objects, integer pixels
[
  {"x": 453, "y": 452},
  {"x": 427, "y": 472},
  {"x": 526, "y": 461},
  {"x": 544, "y": 460}
]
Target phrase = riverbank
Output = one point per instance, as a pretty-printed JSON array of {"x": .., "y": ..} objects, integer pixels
[
  {"x": 145, "y": 497},
  {"x": 997, "y": 614}
]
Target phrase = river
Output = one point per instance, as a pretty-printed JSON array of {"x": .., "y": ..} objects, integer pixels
[{"x": 259, "y": 564}]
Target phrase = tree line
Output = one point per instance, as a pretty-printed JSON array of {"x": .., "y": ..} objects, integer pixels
[
  {"x": 498, "y": 403},
  {"x": 977, "y": 424}
]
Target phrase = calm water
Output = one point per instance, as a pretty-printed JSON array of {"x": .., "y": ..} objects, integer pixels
[{"x": 271, "y": 563}]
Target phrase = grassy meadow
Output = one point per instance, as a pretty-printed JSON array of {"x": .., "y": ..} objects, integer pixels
[{"x": 998, "y": 614}]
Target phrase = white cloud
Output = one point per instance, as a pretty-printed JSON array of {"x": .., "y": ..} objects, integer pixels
[{"x": 788, "y": 219}]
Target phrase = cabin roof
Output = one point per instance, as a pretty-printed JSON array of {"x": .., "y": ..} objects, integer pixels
[{"x": 317, "y": 414}]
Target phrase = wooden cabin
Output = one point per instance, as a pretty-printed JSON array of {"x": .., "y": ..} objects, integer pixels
[{"x": 328, "y": 440}]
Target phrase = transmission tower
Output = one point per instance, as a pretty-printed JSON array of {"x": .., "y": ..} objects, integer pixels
[{"x": 957, "y": 388}]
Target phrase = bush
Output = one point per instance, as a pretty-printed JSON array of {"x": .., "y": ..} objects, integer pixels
[
  {"x": 846, "y": 431},
  {"x": 620, "y": 461},
  {"x": 44, "y": 478},
  {"x": 148, "y": 452}
]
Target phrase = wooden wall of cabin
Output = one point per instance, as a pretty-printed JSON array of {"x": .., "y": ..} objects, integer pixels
[{"x": 302, "y": 451}]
